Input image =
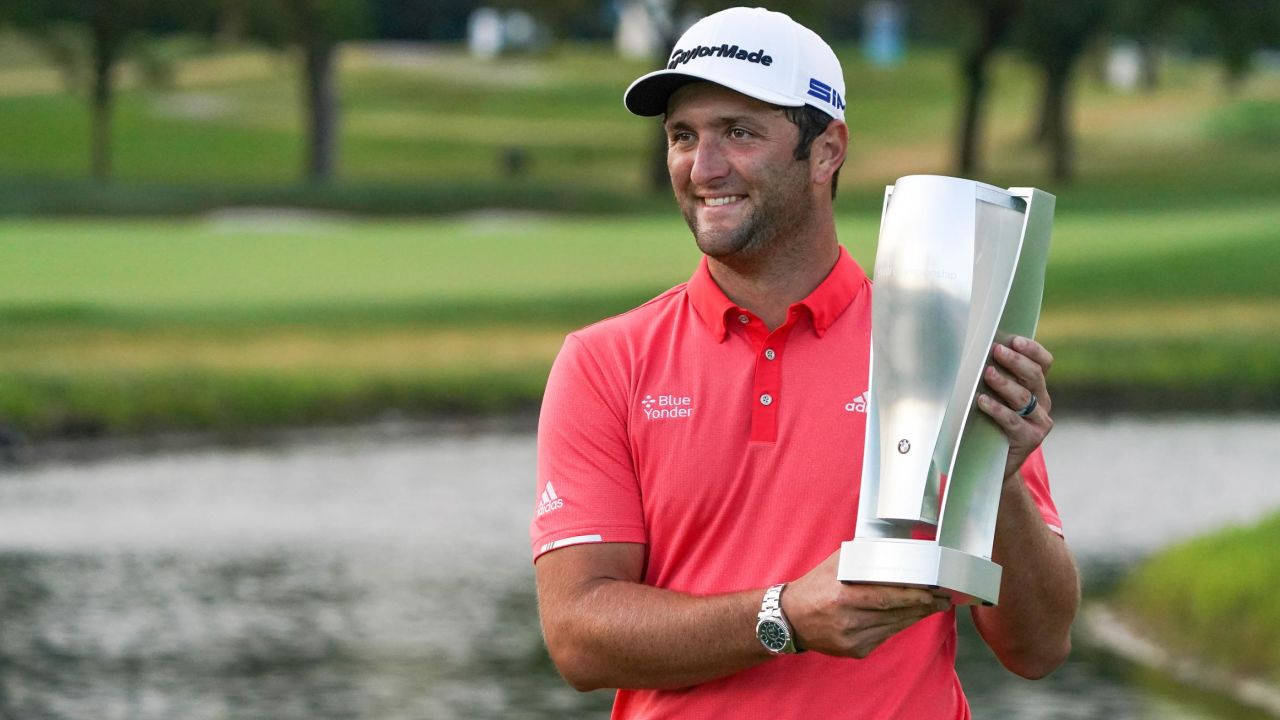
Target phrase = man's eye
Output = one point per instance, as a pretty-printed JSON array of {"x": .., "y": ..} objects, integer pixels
[
  {"x": 680, "y": 138},
  {"x": 739, "y": 133}
]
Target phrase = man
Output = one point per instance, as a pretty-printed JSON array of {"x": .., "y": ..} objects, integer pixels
[{"x": 699, "y": 456}]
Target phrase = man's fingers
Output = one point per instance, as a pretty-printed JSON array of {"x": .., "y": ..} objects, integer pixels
[
  {"x": 1034, "y": 350},
  {"x": 888, "y": 618},
  {"x": 1009, "y": 390},
  {"x": 1004, "y": 416},
  {"x": 846, "y": 619},
  {"x": 886, "y": 597},
  {"x": 874, "y": 637},
  {"x": 1024, "y": 370},
  {"x": 1029, "y": 372}
]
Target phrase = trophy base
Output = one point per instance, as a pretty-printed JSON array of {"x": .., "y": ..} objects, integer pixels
[{"x": 969, "y": 579}]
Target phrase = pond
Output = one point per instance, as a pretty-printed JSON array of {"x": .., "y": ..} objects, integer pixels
[{"x": 383, "y": 572}]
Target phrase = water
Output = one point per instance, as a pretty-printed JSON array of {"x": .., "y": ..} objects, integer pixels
[{"x": 386, "y": 575}]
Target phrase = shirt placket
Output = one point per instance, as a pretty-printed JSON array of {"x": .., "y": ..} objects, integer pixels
[{"x": 766, "y": 384}]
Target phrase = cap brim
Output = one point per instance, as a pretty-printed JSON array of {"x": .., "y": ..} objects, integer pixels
[{"x": 648, "y": 95}]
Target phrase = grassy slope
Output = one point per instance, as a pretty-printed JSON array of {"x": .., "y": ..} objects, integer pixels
[
  {"x": 1160, "y": 288},
  {"x": 1214, "y": 598},
  {"x": 127, "y": 325}
]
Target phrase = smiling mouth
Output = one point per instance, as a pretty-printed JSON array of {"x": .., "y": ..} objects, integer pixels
[{"x": 718, "y": 201}]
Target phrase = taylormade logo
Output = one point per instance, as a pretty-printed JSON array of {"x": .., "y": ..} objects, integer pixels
[
  {"x": 664, "y": 407},
  {"x": 732, "y": 52},
  {"x": 549, "y": 501}
]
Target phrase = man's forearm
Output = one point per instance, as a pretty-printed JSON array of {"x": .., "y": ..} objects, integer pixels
[
  {"x": 1030, "y": 629},
  {"x": 624, "y": 634}
]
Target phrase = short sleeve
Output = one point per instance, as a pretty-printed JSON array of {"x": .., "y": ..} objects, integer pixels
[
  {"x": 1036, "y": 477},
  {"x": 586, "y": 487}
]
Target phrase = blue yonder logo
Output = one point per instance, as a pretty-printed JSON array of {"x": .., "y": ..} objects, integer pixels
[{"x": 826, "y": 93}]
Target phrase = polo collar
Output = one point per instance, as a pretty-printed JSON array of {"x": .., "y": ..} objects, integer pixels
[{"x": 824, "y": 305}]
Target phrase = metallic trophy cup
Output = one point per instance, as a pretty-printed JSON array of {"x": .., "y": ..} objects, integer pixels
[{"x": 960, "y": 265}]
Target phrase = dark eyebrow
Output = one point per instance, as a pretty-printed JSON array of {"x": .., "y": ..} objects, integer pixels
[{"x": 722, "y": 121}]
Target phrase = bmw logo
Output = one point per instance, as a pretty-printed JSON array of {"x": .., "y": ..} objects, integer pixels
[{"x": 904, "y": 446}]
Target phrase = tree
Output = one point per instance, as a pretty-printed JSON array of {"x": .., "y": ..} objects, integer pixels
[
  {"x": 994, "y": 19},
  {"x": 1055, "y": 34},
  {"x": 1240, "y": 28},
  {"x": 316, "y": 27},
  {"x": 110, "y": 26}
]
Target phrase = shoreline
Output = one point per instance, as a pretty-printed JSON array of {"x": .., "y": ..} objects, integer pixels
[
  {"x": 1105, "y": 630},
  {"x": 18, "y": 450},
  {"x": 41, "y": 451}
]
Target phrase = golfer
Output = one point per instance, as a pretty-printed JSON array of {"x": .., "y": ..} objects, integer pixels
[{"x": 698, "y": 456}]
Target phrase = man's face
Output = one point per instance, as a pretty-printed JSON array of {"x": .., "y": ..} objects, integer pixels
[{"x": 738, "y": 184}]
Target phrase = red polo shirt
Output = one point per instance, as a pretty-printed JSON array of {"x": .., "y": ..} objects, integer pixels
[{"x": 735, "y": 455}]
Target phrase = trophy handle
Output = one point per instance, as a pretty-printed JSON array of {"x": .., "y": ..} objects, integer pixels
[{"x": 971, "y": 500}]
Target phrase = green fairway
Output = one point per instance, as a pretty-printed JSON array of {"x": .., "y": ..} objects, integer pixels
[
  {"x": 266, "y": 263},
  {"x": 249, "y": 318}
]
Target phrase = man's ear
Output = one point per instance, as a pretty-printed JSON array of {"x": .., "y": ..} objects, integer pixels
[{"x": 828, "y": 151}]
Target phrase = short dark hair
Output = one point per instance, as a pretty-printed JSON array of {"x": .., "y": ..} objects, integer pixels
[{"x": 812, "y": 122}]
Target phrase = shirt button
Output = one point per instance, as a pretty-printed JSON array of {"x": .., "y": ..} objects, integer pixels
[
  {"x": 766, "y": 399},
  {"x": 769, "y": 354},
  {"x": 744, "y": 319}
]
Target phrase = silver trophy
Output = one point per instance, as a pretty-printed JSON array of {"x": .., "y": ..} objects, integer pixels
[{"x": 960, "y": 266}]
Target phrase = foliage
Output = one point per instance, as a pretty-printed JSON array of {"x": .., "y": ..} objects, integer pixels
[
  {"x": 1214, "y": 597},
  {"x": 421, "y": 135},
  {"x": 110, "y": 26},
  {"x": 309, "y": 21}
]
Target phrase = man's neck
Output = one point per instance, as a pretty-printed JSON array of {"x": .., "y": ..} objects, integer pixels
[{"x": 770, "y": 286}]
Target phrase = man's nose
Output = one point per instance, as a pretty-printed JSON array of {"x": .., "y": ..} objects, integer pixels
[{"x": 709, "y": 163}]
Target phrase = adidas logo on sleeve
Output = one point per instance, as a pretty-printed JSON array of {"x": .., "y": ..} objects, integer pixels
[{"x": 549, "y": 501}]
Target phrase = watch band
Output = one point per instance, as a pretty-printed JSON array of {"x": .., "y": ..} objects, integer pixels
[
  {"x": 771, "y": 606},
  {"x": 771, "y": 614}
]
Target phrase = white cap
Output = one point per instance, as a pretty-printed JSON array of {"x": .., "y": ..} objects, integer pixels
[{"x": 765, "y": 55}]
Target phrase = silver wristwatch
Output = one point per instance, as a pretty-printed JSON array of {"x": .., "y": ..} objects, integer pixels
[{"x": 772, "y": 627}]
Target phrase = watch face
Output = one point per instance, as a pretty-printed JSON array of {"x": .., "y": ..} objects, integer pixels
[{"x": 772, "y": 635}]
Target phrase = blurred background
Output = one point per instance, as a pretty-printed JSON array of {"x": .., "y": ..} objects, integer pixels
[{"x": 283, "y": 280}]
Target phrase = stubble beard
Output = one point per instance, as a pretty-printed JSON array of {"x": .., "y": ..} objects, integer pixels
[{"x": 771, "y": 222}]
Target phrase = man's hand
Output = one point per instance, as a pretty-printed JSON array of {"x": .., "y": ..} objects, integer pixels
[
  {"x": 1030, "y": 630},
  {"x": 1023, "y": 365},
  {"x": 834, "y": 618}
]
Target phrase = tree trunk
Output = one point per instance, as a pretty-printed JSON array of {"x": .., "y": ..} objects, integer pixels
[
  {"x": 105, "y": 43},
  {"x": 322, "y": 110},
  {"x": 996, "y": 17},
  {"x": 975, "y": 89},
  {"x": 1039, "y": 136},
  {"x": 1056, "y": 124},
  {"x": 1150, "y": 59},
  {"x": 232, "y": 21}
]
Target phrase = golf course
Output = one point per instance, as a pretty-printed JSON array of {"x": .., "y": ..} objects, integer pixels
[
  {"x": 220, "y": 292},
  {"x": 483, "y": 209}
]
